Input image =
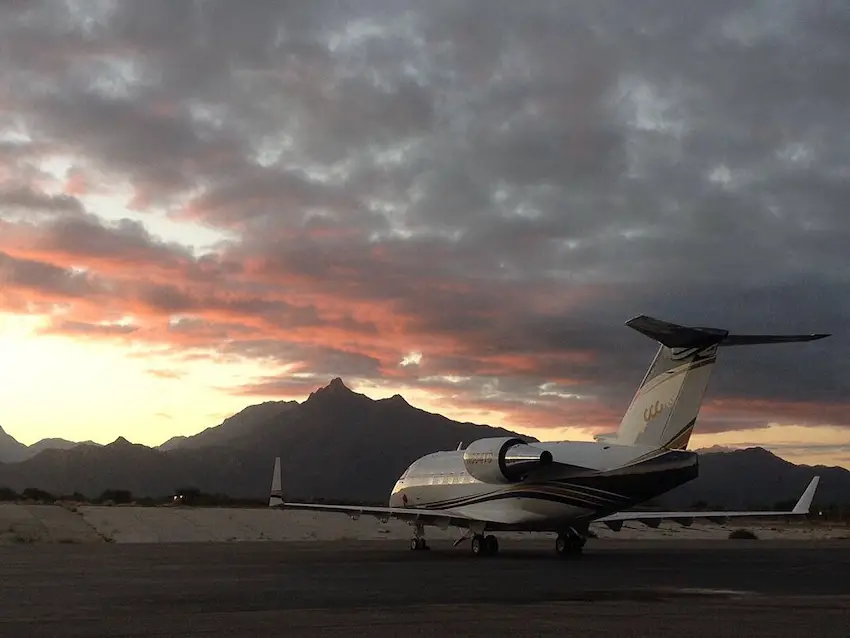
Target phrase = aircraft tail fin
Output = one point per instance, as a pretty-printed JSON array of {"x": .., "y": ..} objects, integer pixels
[{"x": 665, "y": 407}]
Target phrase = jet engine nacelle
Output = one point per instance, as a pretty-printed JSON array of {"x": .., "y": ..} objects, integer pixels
[{"x": 503, "y": 459}]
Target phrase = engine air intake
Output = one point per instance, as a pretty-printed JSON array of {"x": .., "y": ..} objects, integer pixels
[{"x": 503, "y": 459}]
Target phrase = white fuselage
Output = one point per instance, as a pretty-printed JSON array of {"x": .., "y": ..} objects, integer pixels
[{"x": 586, "y": 480}]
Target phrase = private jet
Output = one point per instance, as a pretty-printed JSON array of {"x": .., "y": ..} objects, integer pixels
[{"x": 511, "y": 484}]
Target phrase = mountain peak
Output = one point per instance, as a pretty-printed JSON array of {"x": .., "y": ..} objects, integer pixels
[
  {"x": 715, "y": 449},
  {"x": 337, "y": 384},
  {"x": 335, "y": 388},
  {"x": 395, "y": 399}
]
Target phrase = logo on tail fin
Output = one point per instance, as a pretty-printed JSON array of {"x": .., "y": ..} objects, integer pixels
[{"x": 657, "y": 408}]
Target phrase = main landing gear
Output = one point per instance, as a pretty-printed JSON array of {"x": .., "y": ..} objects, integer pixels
[
  {"x": 569, "y": 543},
  {"x": 485, "y": 545},
  {"x": 418, "y": 541}
]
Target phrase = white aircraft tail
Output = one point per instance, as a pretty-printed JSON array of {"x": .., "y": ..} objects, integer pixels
[{"x": 666, "y": 405}]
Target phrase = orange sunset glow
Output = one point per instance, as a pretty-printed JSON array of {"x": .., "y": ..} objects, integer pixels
[{"x": 197, "y": 216}]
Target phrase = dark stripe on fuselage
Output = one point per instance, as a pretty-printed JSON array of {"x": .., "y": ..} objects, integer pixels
[
  {"x": 649, "y": 479},
  {"x": 528, "y": 494},
  {"x": 603, "y": 492},
  {"x": 567, "y": 488},
  {"x": 567, "y": 493}
]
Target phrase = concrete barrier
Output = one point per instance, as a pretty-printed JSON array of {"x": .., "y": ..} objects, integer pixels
[{"x": 44, "y": 524}]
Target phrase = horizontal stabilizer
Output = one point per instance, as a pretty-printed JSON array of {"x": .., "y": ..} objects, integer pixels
[
  {"x": 754, "y": 340},
  {"x": 675, "y": 336}
]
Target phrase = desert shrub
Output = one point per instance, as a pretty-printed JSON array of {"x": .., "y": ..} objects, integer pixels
[
  {"x": 37, "y": 495},
  {"x": 743, "y": 534},
  {"x": 118, "y": 497}
]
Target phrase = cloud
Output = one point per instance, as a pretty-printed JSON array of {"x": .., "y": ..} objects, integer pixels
[
  {"x": 166, "y": 374},
  {"x": 493, "y": 185},
  {"x": 46, "y": 280},
  {"x": 80, "y": 328}
]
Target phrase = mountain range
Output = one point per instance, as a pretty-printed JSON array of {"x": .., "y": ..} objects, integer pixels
[
  {"x": 339, "y": 444},
  {"x": 13, "y": 451}
]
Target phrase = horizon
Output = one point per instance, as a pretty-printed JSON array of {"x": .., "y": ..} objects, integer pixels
[
  {"x": 221, "y": 206},
  {"x": 706, "y": 449}
]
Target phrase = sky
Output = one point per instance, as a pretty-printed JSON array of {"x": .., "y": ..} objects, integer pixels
[{"x": 209, "y": 204}]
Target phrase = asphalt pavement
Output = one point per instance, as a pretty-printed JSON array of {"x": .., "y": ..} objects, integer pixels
[{"x": 617, "y": 588}]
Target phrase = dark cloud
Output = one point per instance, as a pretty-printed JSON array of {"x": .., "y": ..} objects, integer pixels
[
  {"x": 46, "y": 279},
  {"x": 495, "y": 185},
  {"x": 25, "y": 199}
]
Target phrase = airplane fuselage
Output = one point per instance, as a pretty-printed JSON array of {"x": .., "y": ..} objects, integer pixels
[{"x": 584, "y": 481}]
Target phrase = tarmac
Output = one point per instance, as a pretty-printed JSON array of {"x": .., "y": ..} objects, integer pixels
[{"x": 630, "y": 587}]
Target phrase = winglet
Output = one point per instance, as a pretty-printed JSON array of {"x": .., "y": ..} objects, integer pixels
[
  {"x": 805, "y": 502},
  {"x": 276, "y": 496}
]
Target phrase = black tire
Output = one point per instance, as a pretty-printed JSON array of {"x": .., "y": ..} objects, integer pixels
[
  {"x": 567, "y": 545},
  {"x": 561, "y": 547},
  {"x": 478, "y": 545},
  {"x": 491, "y": 543},
  {"x": 414, "y": 544}
]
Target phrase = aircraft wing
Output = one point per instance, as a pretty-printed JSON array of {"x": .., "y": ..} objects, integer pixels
[
  {"x": 439, "y": 518},
  {"x": 653, "y": 519}
]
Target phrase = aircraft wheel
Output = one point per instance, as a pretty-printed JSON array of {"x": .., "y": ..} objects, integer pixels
[
  {"x": 479, "y": 546},
  {"x": 491, "y": 544},
  {"x": 419, "y": 543},
  {"x": 561, "y": 545},
  {"x": 569, "y": 545}
]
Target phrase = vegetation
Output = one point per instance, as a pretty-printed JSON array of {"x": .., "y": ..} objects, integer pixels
[
  {"x": 118, "y": 497},
  {"x": 35, "y": 494},
  {"x": 191, "y": 496},
  {"x": 743, "y": 534},
  {"x": 195, "y": 497}
]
